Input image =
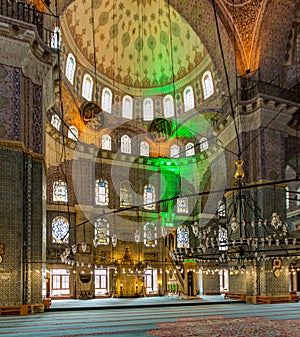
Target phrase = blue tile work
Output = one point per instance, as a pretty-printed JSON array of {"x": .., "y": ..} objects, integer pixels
[{"x": 10, "y": 103}]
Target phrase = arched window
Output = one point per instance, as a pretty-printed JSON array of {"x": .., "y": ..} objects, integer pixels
[
  {"x": 60, "y": 230},
  {"x": 144, "y": 149},
  {"x": 73, "y": 132},
  {"x": 207, "y": 84},
  {"x": 106, "y": 100},
  {"x": 125, "y": 144},
  {"x": 56, "y": 38},
  {"x": 174, "y": 151},
  {"x": 56, "y": 121},
  {"x": 189, "y": 149},
  {"x": 149, "y": 197},
  {"x": 183, "y": 205},
  {"x": 101, "y": 232},
  {"x": 188, "y": 98},
  {"x": 203, "y": 144},
  {"x": 168, "y": 106},
  {"x": 150, "y": 234},
  {"x": 87, "y": 87},
  {"x": 70, "y": 68},
  {"x": 127, "y": 107},
  {"x": 148, "y": 112},
  {"x": 101, "y": 192},
  {"x": 106, "y": 142},
  {"x": 125, "y": 194},
  {"x": 60, "y": 191},
  {"x": 183, "y": 237}
]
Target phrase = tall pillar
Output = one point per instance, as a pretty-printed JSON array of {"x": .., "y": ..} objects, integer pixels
[{"x": 25, "y": 67}]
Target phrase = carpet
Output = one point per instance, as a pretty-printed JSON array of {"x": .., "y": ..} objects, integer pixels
[{"x": 215, "y": 326}]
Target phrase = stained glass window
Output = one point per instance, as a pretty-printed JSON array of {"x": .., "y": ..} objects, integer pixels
[
  {"x": 144, "y": 149},
  {"x": 223, "y": 239},
  {"x": 183, "y": 237},
  {"x": 168, "y": 106},
  {"x": 149, "y": 197},
  {"x": 70, "y": 68},
  {"x": 56, "y": 38},
  {"x": 188, "y": 98},
  {"x": 148, "y": 109},
  {"x": 174, "y": 151},
  {"x": 101, "y": 192},
  {"x": 56, "y": 122},
  {"x": 207, "y": 84},
  {"x": 60, "y": 230},
  {"x": 127, "y": 107},
  {"x": 106, "y": 102},
  {"x": 125, "y": 144},
  {"x": 189, "y": 150},
  {"x": 60, "y": 191},
  {"x": 182, "y": 205},
  {"x": 287, "y": 198},
  {"x": 106, "y": 142},
  {"x": 150, "y": 235},
  {"x": 101, "y": 232},
  {"x": 203, "y": 144},
  {"x": 87, "y": 87},
  {"x": 125, "y": 195},
  {"x": 73, "y": 132}
]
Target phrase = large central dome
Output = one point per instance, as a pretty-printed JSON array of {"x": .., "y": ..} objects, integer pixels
[{"x": 137, "y": 43}]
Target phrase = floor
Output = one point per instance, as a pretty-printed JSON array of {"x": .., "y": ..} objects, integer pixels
[{"x": 163, "y": 316}]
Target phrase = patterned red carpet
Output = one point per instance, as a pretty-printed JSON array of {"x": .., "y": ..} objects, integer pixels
[{"x": 215, "y": 326}]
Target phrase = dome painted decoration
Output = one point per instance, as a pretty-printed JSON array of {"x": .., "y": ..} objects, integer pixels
[{"x": 137, "y": 43}]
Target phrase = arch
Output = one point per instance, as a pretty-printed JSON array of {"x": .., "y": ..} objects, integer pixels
[
  {"x": 106, "y": 142},
  {"x": 207, "y": 85},
  {"x": 148, "y": 112},
  {"x": 144, "y": 149},
  {"x": 189, "y": 149},
  {"x": 150, "y": 234},
  {"x": 106, "y": 101},
  {"x": 125, "y": 194},
  {"x": 60, "y": 230},
  {"x": 125, "y": 144},
  {"x": 149, "y": 197},
  {"x": 70, "y": 68},
  {"x": 174, "y": 151},
  {"x": 183, "y": 205},
  {"x": 101, "y": 232},
  {"x": 168, "y": 104},
  {"x": 56, "y": 121},
  {"x": 73, "y": 132},
  {"x": 203, "y": 144},
  {"x": 56, "y": 38},
  {"x": 101, "y": 192},
  {"x": 188, "y": 98},
  {"x": 183, "y": 237},
  {"x": 87, "y": 87},
  {"x": 127, "y": 107},
  {"x": 60, "y": 191}
]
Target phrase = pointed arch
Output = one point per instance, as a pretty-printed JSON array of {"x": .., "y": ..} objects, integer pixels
[
  {"x": 188, "y": 98},
  {"x": 168, "y": 104},
  {"x": 106, "y": 101},
  {"x": 148, "y": 112},
  {"x": 207, "y": 85}
]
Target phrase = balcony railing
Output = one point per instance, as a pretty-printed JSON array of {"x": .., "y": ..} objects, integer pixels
[{"x": 27, "y": 13}]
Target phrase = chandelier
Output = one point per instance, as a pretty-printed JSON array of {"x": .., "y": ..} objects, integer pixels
[{"x": 243, "y": 236}]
